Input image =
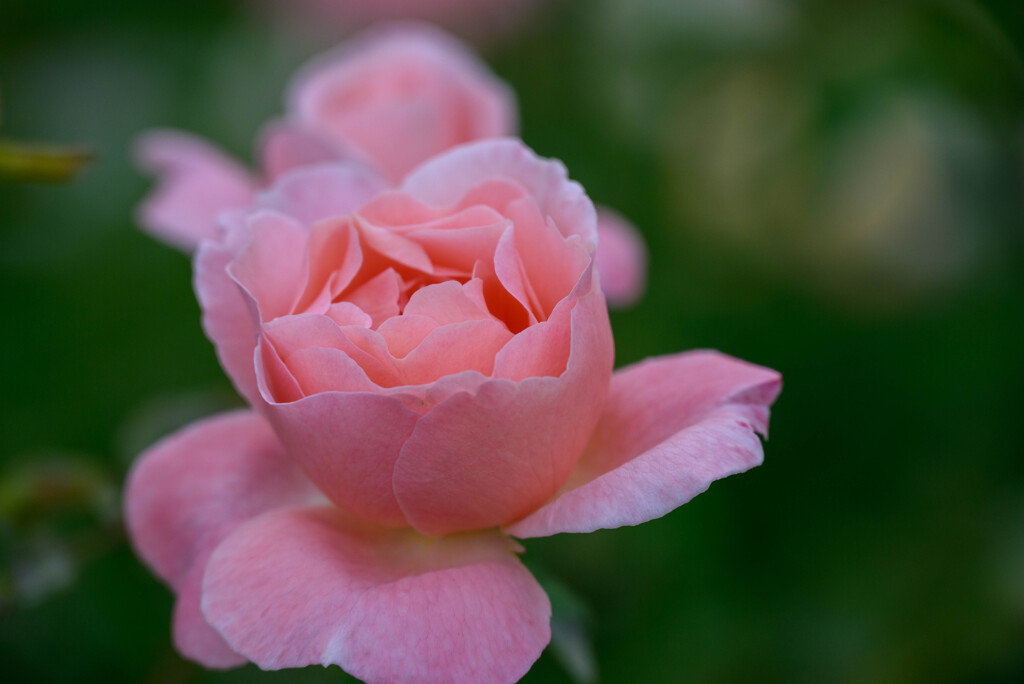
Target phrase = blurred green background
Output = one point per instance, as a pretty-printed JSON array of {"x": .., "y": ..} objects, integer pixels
[{"x": 834, "y": 189}]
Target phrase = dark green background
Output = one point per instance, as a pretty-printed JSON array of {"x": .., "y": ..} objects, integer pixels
[{"x": 832, "y": 189}]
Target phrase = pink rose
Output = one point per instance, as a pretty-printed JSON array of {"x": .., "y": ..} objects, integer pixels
[
  {"x": 391, "y": 100},
  {"x": 430, "y": 370}
]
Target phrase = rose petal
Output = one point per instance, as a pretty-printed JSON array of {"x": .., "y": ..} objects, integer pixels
[
  {"x": 445, "y": 179},
  {"x": 379, "y": 296},
  {"x": 334, "y": 259},
  {"x": 401, "y": 95},
  {"x": 228, "y": 318},
  {"x": 551, "y": 264},
  {"x": 538, "y": 351},
  {"x": 308, "y": 586},
  {"x": 671, "y": 427},
  {"x": 621, "y": 259},
  {"x": 397, "y": 209},
  {"x": 313, "y": 193},
  {"x": 291, "y": 335},
  {"x": 485, "y": 459},
  {"x": 395, "y": 136},
  {"x": 272, "y": 265},
  {"x": 498, "y": 300},
  {"x": 193, "y": 636},
  {"x": 318, "y": 369},
  {"x": 195, "y": 182},
  {"x": 458, "y": 249},
  {"x": 404, "y": 333},
  {"x": 347, "y": 442},
  {"x": 308, "y": 194},
  {"x": 509, "y": 269},
  {"x": 449, "y": 302},
  {"x": 455, "y": 237},
  {"x": 188, "y": 492},
  {"x": 394, "y": 246},
  {"x": 449, "y": 349},
  {"x": 284, "y": 146},
  {"x": 346, "y": 313}
]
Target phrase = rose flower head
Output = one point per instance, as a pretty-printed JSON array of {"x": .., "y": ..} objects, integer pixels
[
  {"x": 429, "y": 369},
  {"x": 390, "y": 99}
]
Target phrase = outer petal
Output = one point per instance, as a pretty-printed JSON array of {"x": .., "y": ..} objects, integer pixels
[
  {"x": 314, "y": 193},
  {"x": 347, "y": 442},
  {"x": 284, "y": 147},
  {"x": 272, "y": 266},
  {"x": 193, "y": 636},
  {"x": 670, "y": 428},
  {"x": 485, "y": 459},
  {"x": 306, "y": 586},
  {"x": 621, "y": 259},
  {"x": 190, "y": 491},
  {"x": 446, "y": 178},
  {"x": 228, "y": 320},
  {"x": 195, "y": 183}
]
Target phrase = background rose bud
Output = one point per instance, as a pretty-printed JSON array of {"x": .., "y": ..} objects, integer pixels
[
  {"x": 431, "y": 370},
  {"x": 400, "y": 96}
]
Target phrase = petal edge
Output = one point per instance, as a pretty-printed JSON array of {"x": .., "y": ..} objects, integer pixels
[
  {"x": 306, "y": 586},
  {"x": 659, "y": 445}
]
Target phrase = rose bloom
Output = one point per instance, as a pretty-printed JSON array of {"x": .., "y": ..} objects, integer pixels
[
  {"x": 429, "y": 369},
  {"x": 390, "y": 99}
]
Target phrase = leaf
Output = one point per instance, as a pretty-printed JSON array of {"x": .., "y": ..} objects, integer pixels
[
  {"x": 40, "y": 163},
  {"x": 570, "y": 616}
]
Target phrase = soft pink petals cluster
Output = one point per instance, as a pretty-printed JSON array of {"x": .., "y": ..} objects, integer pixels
[
  {"x": 428, "y": 359},
  {"x": 391, "y": 99}
]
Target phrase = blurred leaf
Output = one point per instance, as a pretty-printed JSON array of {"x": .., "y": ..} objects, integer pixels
[
  {"x": 36, "y": 162},
  {"x": 54, "y": 485},
  {"x": 570, "y": 617},
  {"x": 159, "y": 416},
  {"x": 56, "y": 514}
]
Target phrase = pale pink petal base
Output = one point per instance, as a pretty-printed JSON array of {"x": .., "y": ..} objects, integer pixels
[
  {"x": 305, "y": 586},
  {"x": 671, "y": 427},
  {"x": 188, "y": 492},
  {"x": 348, "y": 442}
]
